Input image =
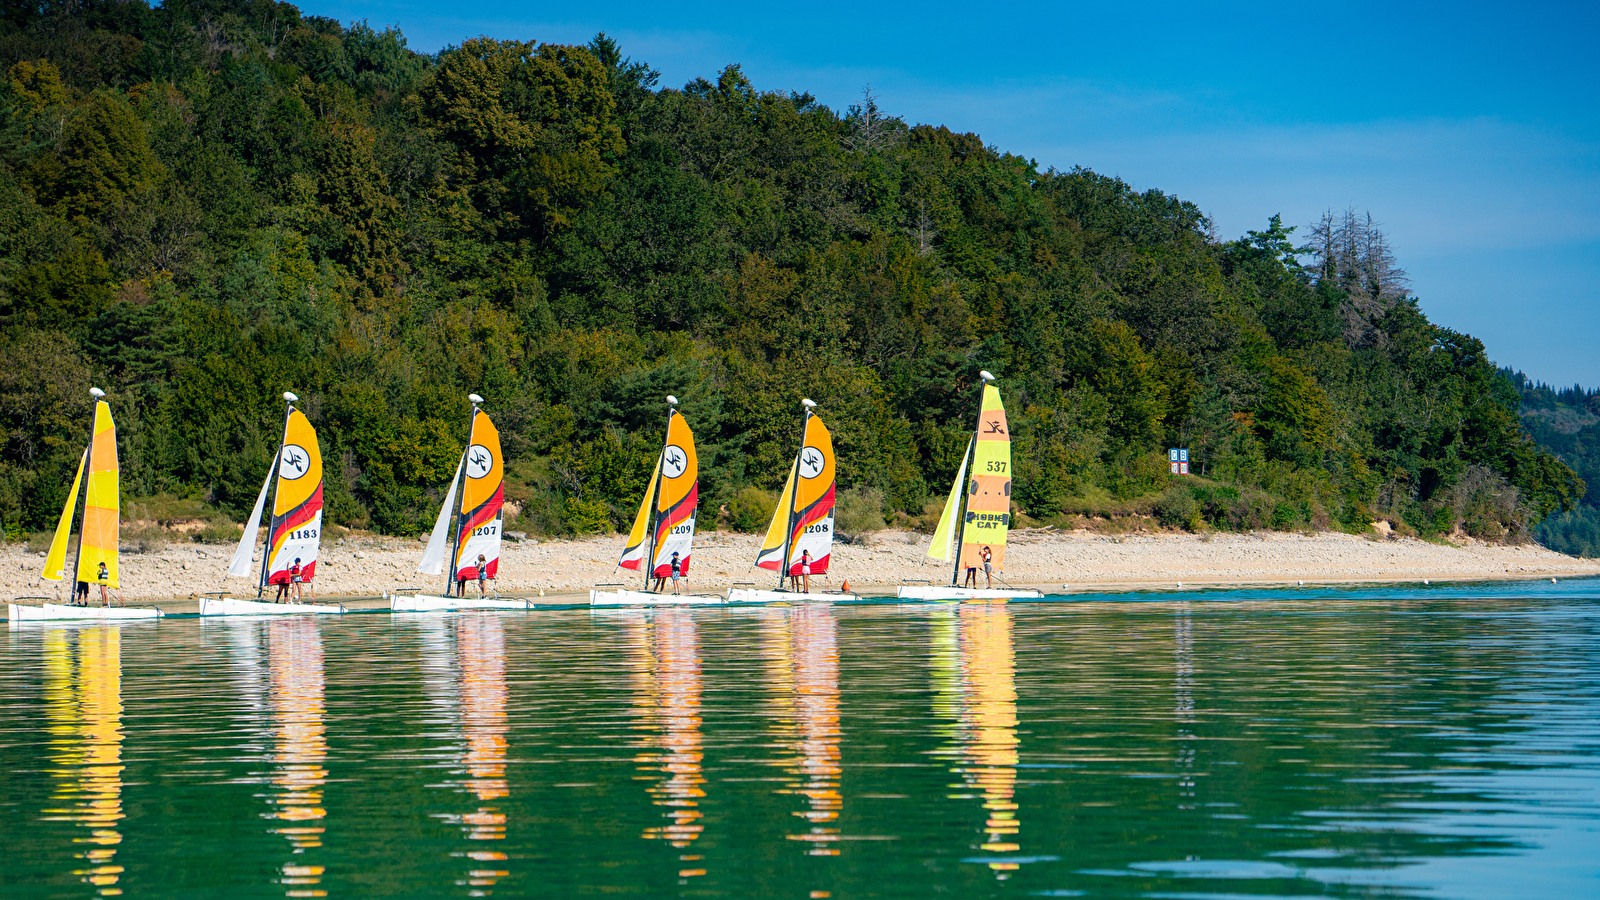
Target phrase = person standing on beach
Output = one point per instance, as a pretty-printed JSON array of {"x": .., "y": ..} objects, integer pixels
[
  {"x": 295, "y": 579},
  {"x": 104, "y": 577},
  {"x": 80, "y": 594},
  {"x": 972, "y": 578},
  {"x": 483, "y": 576},
  {"x": 988, "y": 567},
  {"x": 677, "y": 571},
  {"x": 805, "y": 570}
]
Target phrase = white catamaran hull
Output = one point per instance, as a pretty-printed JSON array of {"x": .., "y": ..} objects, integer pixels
[
  {"x": 53, "y": 612},
  {"x": 649, "y": 598},
  {"x": 746, "y": 595},
  {"x": 950, "y": 593},
  {"x": 230, "y": 606},
  {"x": 428, "y": 603}
]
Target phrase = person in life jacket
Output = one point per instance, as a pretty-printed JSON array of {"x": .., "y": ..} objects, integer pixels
[{"x": 677, "y": 571}]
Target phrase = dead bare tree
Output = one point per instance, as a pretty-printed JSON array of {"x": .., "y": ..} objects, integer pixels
[
  {"x": 1352, "y": 252},
  {"x": 870, "y": 128}
]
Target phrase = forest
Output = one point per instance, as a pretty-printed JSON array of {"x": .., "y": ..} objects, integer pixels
[
  {"x": 1567, "y": 422},
  {"x": 209, "y": 202}
]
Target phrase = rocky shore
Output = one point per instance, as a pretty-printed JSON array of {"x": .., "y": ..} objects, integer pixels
[{"x": 565, "y": 569}]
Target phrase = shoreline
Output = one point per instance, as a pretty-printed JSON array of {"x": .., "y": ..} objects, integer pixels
[{"x": 360, "y": 572}]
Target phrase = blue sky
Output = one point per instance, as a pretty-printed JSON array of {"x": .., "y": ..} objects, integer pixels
[{"x": 1471, "y": 131}]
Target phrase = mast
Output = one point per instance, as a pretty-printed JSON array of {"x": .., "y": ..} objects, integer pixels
[
  {"x": 83, "y": 496},
  {"x": 794, "y": 477},
  {"x": 961, "y": 511},
  {"x": 272, "y": 508},
  {"x": 455, "y": 534},
  {"x": 649, "y": 566}
]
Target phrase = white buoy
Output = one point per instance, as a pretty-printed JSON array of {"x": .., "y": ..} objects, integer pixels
[
  {"x": 1301, "y": 583},
  {"x": 541, "y": 592},
  {"x": 1552, "y": 581},
  {"x": 1426, "y": 581},
  {"x": 1180, "y": 585}
]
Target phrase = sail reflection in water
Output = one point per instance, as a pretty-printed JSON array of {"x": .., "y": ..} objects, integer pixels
[
  {"x": 469, "y": 685},
  {"x": 294, "y": 659},
  {"x": 802, "y": 650},
  {"x": 83, "y": 696},
  {"x": 974, "y": 683},
  {"x": 665, "y": 659}
]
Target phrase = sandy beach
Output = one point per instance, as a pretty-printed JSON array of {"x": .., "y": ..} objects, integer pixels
[{"x": 565, "y": 569}]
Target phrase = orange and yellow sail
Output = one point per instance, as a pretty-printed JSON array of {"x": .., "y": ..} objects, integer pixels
[
  {"x": 102, "y": 509},
  {"x": 802, "y": 523},
  {"x": 665, "y": 524},
  {"x": 483, "y": 497},
  {"x": 296, "y": 532}
]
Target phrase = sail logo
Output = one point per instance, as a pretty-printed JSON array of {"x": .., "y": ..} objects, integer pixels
[
  {"x": 479, "y": 461},
  {"x": 295, "y": 462},
  {"x": 994, "y": 426},
  {"x": 674, "y": 461},
  {"x": 811, "y": 462}
]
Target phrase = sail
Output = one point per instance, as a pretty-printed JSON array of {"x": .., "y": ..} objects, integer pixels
[
  {"x": 433, "y": 556},
  {"x": 677, "y": 500},
  {"x": 297, "y": 511},
  {"x": 482, "y": 496},
  {"x": 240, "y": 566},
  {"x": 989, "y": 488},
  {"x": 638, "y": 546},
  {"x": 55, "y": 562},
  {"x": 803, "y": 521},
  {"x": 102, "y": 503},
  {"x": 944, "y": 537},
  {"x": 773, "y": 548}
]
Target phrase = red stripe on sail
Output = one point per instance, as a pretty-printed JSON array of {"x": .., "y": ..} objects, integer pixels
[
  {"x": 293, "y": 519},
  {"x": 677, "y": 515}
]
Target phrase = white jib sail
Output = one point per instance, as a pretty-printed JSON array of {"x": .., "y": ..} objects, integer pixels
[
  {"x": 240, "y": 567},
  {"x": 433, "y": 557}
]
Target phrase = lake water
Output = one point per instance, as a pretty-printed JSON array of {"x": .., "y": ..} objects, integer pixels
[{"x": 1421, "y": 743}]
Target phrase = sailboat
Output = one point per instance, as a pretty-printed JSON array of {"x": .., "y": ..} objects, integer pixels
[
  {"x": 977, "y": 512},
  {"x": 294, "y": 534},
  {"x": 802, "y": 523},
  {"x": 664, "y": 527},
  {"x": 480, "y": 480},
  {"x": 98, "y": 528}
]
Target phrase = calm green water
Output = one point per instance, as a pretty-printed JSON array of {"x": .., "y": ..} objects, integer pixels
[{"x": 1440, "y": 743}]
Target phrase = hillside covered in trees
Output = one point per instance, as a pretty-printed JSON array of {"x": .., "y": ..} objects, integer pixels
[
  {"x": 206, "y": 203},
  {"x": 1567, "y": 422}
]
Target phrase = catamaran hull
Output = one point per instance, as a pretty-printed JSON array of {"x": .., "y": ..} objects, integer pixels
[
  {"x": 649, "y": 598},
  {"x": 230, "y": 606},
  {"x": 56, "y": 612},
  {"x": 427, "y": 603},
  {"x": 945, "y": 593},
  {"x": 754, "y": 596}
]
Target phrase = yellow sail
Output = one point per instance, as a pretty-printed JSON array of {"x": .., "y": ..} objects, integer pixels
[
  {"x": 803, "y": 522},
  {"x": 55, "y": 562},
  {"x": 989, "y": 487},
  {"x": 677, "y": 500},
  {"x": 944, "y": 537},
  {"x": 483, "y": 496},
  {"x": 638, "y": 538},
  {"x": 771, "y": 554},
  {"x": 102, "y": 506},
  {"x": 296, "y": 532}
]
